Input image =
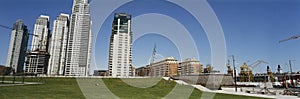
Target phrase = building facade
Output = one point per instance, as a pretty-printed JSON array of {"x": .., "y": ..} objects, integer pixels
[
  {"x": 100, "y": 73},
  {"x": 190, "y": 66},
  {"x": 38, "y": 56},
  {"x": 142, "y": 71},
  {"x": 79, "y": 40},
  {"x": 41, "y": 32},
  {"x": 58, "y": 45},
  {"x": 166, "y": 67},
  {"x": 120, "y": 56},
  {"x": 37, "y": 62},
  {"x": 18, "y": 45}
]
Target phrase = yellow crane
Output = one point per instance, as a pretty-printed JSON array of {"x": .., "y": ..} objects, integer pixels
[{"x": 246, "y": 70}]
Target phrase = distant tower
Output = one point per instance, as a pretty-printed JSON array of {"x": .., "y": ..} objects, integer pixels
[
  {"x": 42, "y": 32},
  {"x": 269, "y": 70},
  {"x": 79, "y": 40},
  {"x": 229, "y": 70},
  {"x": 120, "y": 56},
  {"x": 18, "y": 46},
  {"x": 271, "y": 76},
  {"x": 58, "y": 45},
  {"x": 279, "y": 70}
]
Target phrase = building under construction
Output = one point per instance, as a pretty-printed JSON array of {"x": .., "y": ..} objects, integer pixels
[{"x": 37, "y": 62}]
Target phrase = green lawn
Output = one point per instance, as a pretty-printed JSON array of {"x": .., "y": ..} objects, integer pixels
[{"x": 62, "y": 88}]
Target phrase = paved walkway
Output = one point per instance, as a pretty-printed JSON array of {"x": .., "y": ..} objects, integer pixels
[
  {"x": 17, "y": 83},
  {"x": 228, "y": 91}
]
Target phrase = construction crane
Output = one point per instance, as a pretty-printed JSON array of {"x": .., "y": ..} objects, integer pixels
[
  {"x": 3, "y": 26},
  {"x": 6, "y": 27},
  {"x": 246, "y": 70},
  {"x": 152, "y": 60},
  {"x": 291, "y": 38},
  {"x": 256, "y": 63}
]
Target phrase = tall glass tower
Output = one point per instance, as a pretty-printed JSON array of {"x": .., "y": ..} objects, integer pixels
[
  {"x": 120, "y": 56},
  {"x": 58, "y": 45},
  {"x": 18, "y": 46},
  {"x": 80, "y": 40},
  {"x": 42, "y": 32}
]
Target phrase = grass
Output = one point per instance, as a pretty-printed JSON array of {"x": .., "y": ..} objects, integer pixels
[
  {"x": 67, "y": 88},
  {"x": 53, "y": 88}
]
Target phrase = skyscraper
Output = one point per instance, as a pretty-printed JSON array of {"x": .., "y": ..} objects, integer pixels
[
  {"x": 38, "y": 57},
  {"x": 120, "y": 56},
  {"x": 41, "y": 30},
  {"x": 58, "y": 45},
  {"x": 18, "y": 46},
  {"x": 80, "y": 40}
]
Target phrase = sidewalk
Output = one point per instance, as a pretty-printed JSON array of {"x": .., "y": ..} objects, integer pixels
[
  {"x": 17, "y": 83},
  {"x": 227, "y": 91}
]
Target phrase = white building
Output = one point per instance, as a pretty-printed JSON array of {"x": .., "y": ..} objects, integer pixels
[
  {"x": 79, "y": 40},
  {"x": 18, "y": 46},
  {"x": 38, "y": 57},
  {"x": 58, "y": 45},
  {"x": 120, "y": 56},
  {"x": 41, "y": 32}
]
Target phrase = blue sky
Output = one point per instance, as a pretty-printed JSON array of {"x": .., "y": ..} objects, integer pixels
[{"x": 252, "y": 29}]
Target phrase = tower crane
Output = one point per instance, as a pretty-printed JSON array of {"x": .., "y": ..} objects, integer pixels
[
  {"x": 256, "y": 63},
  {"x": 246, "y": 70},
  {"x": 3, "y": 26},
  {"x": 291, "y": 38},
  {"x": 6, "y": 27}
]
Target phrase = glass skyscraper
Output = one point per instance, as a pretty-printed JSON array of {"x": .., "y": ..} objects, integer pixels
[
  {"x": 79, "y": 40},
  {"x": 58, "y": 45},
  {"x": 41, "y": 32},
  {"x": 18, "y": 46}
]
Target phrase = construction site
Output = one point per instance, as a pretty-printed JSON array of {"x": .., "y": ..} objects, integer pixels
[{"x": 243, "y": 80}]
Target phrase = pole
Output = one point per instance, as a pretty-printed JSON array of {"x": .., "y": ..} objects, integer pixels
[
  {"x": 235, "y": 78},
  {"x": 291, "y": 75},
  {"x": 2, "y": 78},
  {"x": 290, "y": 62}
]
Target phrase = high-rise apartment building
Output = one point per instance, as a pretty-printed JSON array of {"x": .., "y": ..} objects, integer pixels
[
  {"x": 38, "y": 57},
  {"x": 41, "y": 32},
  {"x": 120, "y": 56},
  {"x": 18, "y": 46},
  {"x": 79, "y": 40},
  {"x": 58, "y": 45}
]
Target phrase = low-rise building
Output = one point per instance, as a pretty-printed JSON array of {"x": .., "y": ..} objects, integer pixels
[
  {"x": 100, "y": 73},
  {"x": 143, "y": 71},
  {"x": 166, "y": 67},
  {"x": 190, "y": 66}
]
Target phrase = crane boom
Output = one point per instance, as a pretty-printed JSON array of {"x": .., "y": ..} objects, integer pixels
[
  {"x": 256, "y": 63},
  {"x": 6, "y": 27},
  {"x": 291, "y": 38},
  {"x": 3, "y": 26}
]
